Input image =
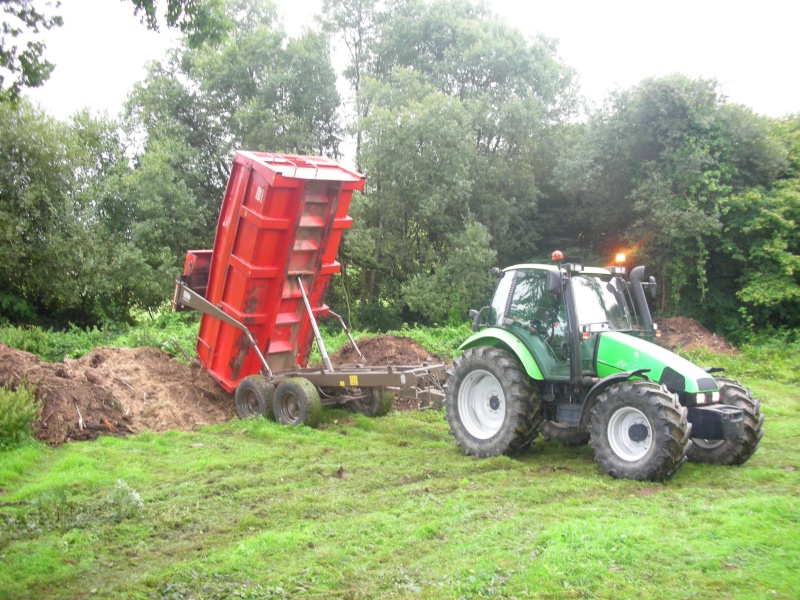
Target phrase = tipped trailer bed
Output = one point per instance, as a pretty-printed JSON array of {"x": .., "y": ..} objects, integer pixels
[{"x": 261, "y": 290}]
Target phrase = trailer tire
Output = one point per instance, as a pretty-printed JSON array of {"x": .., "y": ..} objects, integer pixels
[
  {"x": 639, "y": 430},
  {"x": 296, "y": 402},
  {"x": 253, "y": 398},
  {"x": 568, "y": 436},
  {"x": 490, "y": 403},
  {"x": 732, "y": 452},
  {"x": 377, "y": 404}
]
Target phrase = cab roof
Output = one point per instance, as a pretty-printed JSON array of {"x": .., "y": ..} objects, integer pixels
[{"x": 540, "y": 267}]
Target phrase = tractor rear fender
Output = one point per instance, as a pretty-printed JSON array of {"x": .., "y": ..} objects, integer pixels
[
  {"x": 509, "y": 342},
  {"x": 600, "y": 386}
]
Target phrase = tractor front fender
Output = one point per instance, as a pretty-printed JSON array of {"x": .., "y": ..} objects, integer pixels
[{"x": 508, "y": 341}]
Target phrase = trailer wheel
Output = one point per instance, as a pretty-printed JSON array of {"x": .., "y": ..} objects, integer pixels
[
  {"x": 558, "y": 432},
  {"x": 253, "y": 398},
  {"x": 639, "y": 430},
  {"x": 296, "y": 402},
  {"x": 490, "y": 403},
  {"x": 377, "y": 403},
  {"x": 732, "y": 452}
]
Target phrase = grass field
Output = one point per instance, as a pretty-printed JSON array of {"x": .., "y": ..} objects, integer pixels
[{"x": 389, "y": 508}]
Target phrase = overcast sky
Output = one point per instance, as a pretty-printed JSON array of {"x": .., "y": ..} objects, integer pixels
[{"x": 751, "y": 48}]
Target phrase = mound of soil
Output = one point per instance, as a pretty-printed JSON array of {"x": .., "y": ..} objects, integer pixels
[
  {"x": 115, "y": 391},
  {"x": 384, "y": 350},
  {"x": 686, "y": 333}
]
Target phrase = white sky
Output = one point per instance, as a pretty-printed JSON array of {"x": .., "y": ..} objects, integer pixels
[{"x": 751, "y": 48}]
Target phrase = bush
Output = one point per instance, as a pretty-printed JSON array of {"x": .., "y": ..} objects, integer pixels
[{"x": 18, "y": 409}]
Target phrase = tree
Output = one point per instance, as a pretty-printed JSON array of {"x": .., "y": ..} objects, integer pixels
[
  {"x": 762, "y": 237},
  {"x": 23, "y": 67},
  {"x": 415, "y": 150},
  {"x": 255, "y": 90},
  {"x": 650, "y": 171},
  {"x": 202, "y": 21},
  {"x": 57, "y": 181}
]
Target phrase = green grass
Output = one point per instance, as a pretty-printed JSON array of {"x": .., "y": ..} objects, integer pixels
[{"x": 255, "y": 510}]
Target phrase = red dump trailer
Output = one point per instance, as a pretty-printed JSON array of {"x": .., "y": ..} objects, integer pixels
[{"x": 262, "y": 287}]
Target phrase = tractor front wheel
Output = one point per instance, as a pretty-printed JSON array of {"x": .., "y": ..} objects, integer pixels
[
  {"x": 732, "y": 452},
  {"x": 639, "y": 431},
  {"x": 297, "y": 402},
  {"x": 490, "y": 404}
]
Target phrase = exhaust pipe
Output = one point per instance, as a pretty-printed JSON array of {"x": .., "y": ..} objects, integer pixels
[{"x": 637, "y": 275}]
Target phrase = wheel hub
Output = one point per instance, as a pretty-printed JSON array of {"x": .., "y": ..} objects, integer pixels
[
  {"x": 481, "y": 404},
  {"x": 629, "y": 433},
  {"x": 637, "y": 432}
]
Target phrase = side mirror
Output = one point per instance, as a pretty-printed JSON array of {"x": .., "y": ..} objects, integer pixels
[
  {"x": 495, "y": 272},
  {"x": 473, "y": 313},
  {"x": 554, "y": 282},
  {"x": 652, "y": 287}
]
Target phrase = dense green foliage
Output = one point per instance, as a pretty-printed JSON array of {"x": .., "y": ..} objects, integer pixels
[
  {"x": 390, "y": 508},
  {"x": 476, "y": 154},
  {"x": 18, "y": 409},
  {"x": 22, "y": 62},
  {"x": 174, "y": 333}
]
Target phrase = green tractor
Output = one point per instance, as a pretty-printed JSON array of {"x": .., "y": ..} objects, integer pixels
[{"x": 566, "y": 350}]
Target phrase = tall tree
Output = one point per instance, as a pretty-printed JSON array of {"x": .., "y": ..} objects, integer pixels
[
  {"x": 201, "y": 21},
  {"x": 256, "y": 90},
  {"x": 25, "y": 66}
]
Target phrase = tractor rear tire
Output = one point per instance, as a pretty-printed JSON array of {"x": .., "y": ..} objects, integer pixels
[
  {"x": 490, "y": 403},
  {"x": 253, "y": 398},
  {"x": 568, "y": 436},
  {"x": 296, "y": 402},
  {"x": 732, "y": 452},
  {"x": 639, "y": 430}
]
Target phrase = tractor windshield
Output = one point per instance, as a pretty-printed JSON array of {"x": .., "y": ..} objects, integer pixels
[{"x": 600, "y": 305}]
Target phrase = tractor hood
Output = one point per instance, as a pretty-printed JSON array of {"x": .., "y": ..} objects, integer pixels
[{"x": 617, "y": 352}]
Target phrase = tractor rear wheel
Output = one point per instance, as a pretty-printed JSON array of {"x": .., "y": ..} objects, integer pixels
[
  {"x": 297, "y": 402},
  {"x": 558, "y": 432},
  {"x": 253, "y": 397},
  {"x": 732, "y": 452},
  {"x": 490, "y": 403},
  {"x": 639, "y": 430}
]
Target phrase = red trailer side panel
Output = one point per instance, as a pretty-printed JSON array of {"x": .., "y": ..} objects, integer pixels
[{"x": 282, "y": 217}]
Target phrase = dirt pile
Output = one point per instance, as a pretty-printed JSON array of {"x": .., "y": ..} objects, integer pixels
[
  {"x": 115, "y": 391},
  {"x": 686, "y": 333},
  {"x": 384, "y": 350}
]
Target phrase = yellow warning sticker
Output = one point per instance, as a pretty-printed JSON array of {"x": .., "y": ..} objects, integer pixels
[
  {"x": 353, "y": 379},
  {"x": 341, "y": 383}
]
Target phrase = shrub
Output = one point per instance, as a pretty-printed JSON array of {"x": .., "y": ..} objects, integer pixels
[{"x": 18, "y": 409}]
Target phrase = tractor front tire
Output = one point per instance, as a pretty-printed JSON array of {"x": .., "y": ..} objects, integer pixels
[
  {"x": 732, "y": 452},
  {"x": 297, "y": 402},
  {"x": 568, "y": 436},
  {"x": 639, "y": 430},
  {"x": 490, "y": 403},
  {"x": 253, "y": 397}
]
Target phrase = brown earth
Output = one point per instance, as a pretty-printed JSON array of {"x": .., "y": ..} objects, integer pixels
[
  {"x": 115, "y": 391},
  {"x": 682, "y": 332},
  {"x": 384, "y": 350}
]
